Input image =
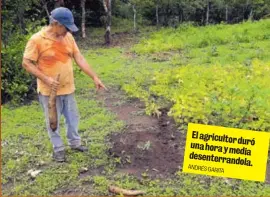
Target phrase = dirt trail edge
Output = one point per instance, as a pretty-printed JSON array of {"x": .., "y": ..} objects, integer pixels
[{"x": 148, "y": 146}]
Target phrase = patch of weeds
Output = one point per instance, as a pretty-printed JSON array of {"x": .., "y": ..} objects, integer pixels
[
  {"x": 101, "y": 184},
  {"x": 138, "y": 113},
  {"x": 126, "y": 182},
  {"x": 118, "y": 103}
]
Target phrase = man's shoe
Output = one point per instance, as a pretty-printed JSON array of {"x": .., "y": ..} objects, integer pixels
[
  {"x": 80, "y": 148},
  {"x": 59, "y": 156}
]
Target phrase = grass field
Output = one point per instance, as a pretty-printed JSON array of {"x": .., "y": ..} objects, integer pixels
[{"x": 213, "y": 75}]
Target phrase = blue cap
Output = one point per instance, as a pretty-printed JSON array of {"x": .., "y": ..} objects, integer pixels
[{"x": 64, "y": 17}]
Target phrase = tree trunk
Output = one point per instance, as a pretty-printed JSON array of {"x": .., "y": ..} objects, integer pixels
[
  {"x": 182, "y": 16},
  {"x": 157, "y": 18},
  {"x": 134, "y": 17},
  {"x": 45, "y": 6},
  {"x": 58, "y": 3},
  {"x": 179, "y": 14},
  {"x": 207, "y": 13},
  {"x": 83, "y": 18},
  {"x": 246, "y": 10},
  {"x": 226, "y": 14},
  {"x": 107, "y": 7},
  {"x": 250, "y": 17},
  {"x": 20, "y": 16}
]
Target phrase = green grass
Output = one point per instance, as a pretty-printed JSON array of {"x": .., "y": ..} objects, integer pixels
[
  {"x": 149, "y": 71},
  {"x": 26, "y": 146},
  {"x": 188, "y": 36},
  {"x": 207, "y": 69}
]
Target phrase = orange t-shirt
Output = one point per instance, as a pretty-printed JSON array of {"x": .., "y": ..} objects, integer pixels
[{"x": 53, "y": 57}]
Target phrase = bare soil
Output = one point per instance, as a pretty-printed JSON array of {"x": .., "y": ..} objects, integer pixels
[
  {"x": 148, "y": 145},
  {"x": 120, "y": 39}
]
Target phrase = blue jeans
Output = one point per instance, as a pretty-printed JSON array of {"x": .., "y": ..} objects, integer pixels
[{"x": 66, "y": 105}]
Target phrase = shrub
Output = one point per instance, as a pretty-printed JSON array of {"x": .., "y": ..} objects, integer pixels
[
  {"x": 17, "y": 84},
  {"x": 230, "y": 95}
]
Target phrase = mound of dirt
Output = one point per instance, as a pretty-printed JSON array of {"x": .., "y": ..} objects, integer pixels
[
  {"x": 158, "y": 151},
  {"x": 148, "y": 145}
]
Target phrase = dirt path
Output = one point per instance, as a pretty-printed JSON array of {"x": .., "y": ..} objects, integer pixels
[{"x": 150, "y": 146}]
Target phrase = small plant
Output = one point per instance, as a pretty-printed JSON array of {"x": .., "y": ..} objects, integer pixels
[
  {"x": 144, "y": 175},
  {"x": 118, "y": 160},
  {"x": 214, "y": 51},
  {"x": 144, "y": 146}
]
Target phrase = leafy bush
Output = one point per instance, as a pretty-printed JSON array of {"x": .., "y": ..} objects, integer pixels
[
  {"x": 189, "y": 36},
  {"x": 16, "y": 82},
  {"x": 232, "y": 95}
]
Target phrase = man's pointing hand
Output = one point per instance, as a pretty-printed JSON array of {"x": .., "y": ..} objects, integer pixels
[{"x": 99, "y": 84}]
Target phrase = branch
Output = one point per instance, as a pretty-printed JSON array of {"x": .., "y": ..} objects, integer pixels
[{"x": 119, "y": 190}]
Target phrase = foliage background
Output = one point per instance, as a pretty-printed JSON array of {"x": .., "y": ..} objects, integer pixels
[{"x": 29, "y": 15}]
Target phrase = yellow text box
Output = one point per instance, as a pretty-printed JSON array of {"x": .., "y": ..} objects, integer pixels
[{"x": 226, "y": 152}]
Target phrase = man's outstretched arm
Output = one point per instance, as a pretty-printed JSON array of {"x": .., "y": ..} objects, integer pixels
[{"x": 82, "y": 63}]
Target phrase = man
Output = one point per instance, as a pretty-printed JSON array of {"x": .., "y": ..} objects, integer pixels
[{"x": 49, "y": 53}]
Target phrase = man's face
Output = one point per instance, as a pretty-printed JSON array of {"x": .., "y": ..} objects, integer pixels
[{"x": 61, "y": 29}]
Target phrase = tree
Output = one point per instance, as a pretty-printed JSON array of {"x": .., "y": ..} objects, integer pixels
[
  {"x": 17, "y": 84},
  {"x": 207, "y": 11},
  {"x": 83, "y": 18},
  {"x": 45, "y": 6},
  {"x": 134, "y": 4},
  {"x": 134, "y": 17},
  {"x": 258, "y": 8},
  {"x": 107, "y": 4}
]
